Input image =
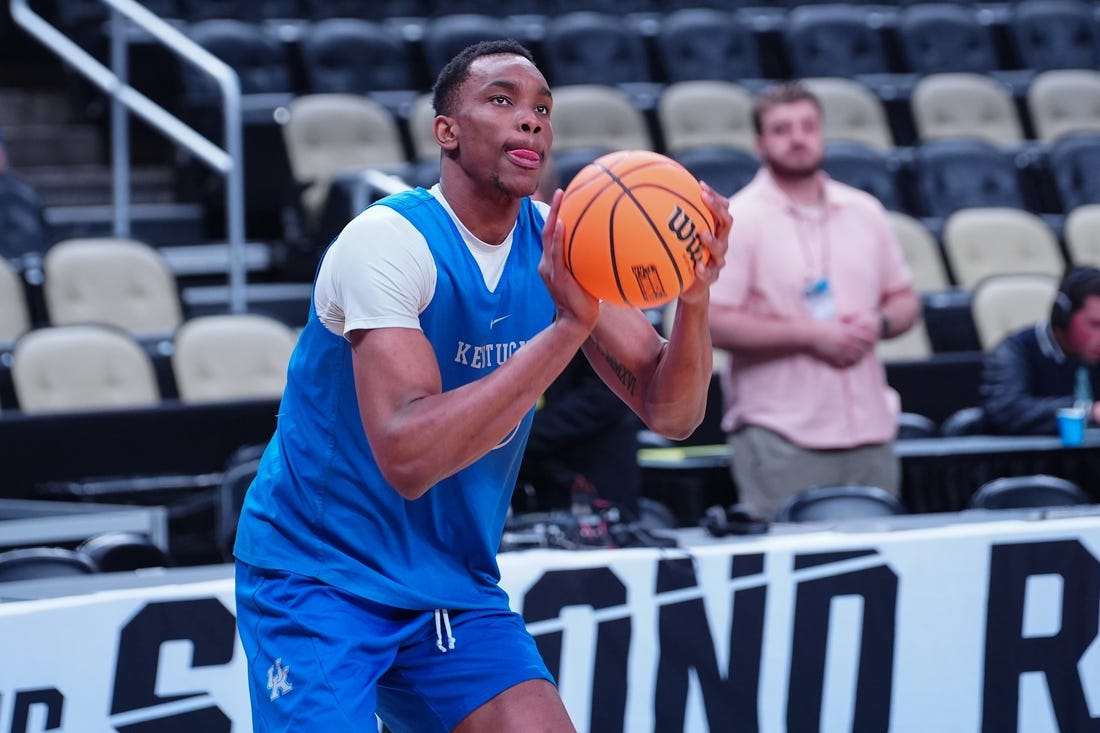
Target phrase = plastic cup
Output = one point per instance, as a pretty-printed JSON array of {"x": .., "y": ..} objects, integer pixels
[{"x": 1071, "y": 425}]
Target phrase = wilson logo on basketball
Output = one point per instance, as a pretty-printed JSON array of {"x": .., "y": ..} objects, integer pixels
[{"x": 683, "y": 227}]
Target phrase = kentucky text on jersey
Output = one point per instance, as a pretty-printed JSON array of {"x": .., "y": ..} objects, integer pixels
[{"x": 485, "y": 356}]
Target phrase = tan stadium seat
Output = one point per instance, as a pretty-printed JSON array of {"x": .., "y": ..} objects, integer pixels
[
  {"x": 706, "y": 112},
  {"x": 421, "y": 128},
  {"x": 1064, "y": 101},
  {"x": 122, "y": 282},
  {"x": 1002, "y": 304},
  {"x": 231, "y": 357},
  {"x": 921, "y": 251},
  {"x": 598, "y": 116},
  {"x": 1083, "y": 235},
  {"x": 82, "y": 367},
  {"x": 980, "y": 242},
  {"x": 328, "y": 134},
  {"x": 850, "y": 111},
  {"x": 965, "y": 105}
]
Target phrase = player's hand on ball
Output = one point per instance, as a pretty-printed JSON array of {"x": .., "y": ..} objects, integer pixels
[
  {"x": 706, "y": 271},
  {"x": 571, "y": 299}
]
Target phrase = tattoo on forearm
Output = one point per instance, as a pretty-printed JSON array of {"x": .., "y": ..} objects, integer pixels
[{"x": 626, "y": 377}]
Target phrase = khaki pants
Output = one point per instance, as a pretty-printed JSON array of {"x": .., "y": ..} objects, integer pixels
[{"x": 768, "y": 468}]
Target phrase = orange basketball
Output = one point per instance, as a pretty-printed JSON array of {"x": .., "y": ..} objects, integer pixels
[{"x": 633, "y": 221}]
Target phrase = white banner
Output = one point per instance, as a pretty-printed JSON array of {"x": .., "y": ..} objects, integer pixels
[{"x": 984, "y": 627}]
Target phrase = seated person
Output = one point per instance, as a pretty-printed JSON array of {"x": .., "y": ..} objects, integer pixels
[{"x": 1055, "y": 363}]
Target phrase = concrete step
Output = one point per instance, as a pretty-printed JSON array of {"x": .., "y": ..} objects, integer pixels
[
  {"x": 85, "y": 185},
  {"x": 45, "y": 144},
  {"x": 159, "y": 224},
  {"x": 23, "y": 106}
]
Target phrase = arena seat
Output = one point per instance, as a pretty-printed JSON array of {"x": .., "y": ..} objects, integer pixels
[
  {"x": 33, "y": 563},
  {"x": 952, "y": 105},
  {"x": 695, "y": 44},
  {"x": 82, "y": 367},
  {"x": 828, "y": 503},
  {"x": 1004, "y": 303},
  {"x": 232, "y": 356},
  {"x": 594, "y": 48},
  {"x": 1055, "y": 34},
  {"x": 1030, "y": 491},
  {"x": 940, "y": 37},
  {"x": 352, "y": 55},
  {"x": 121, "y": 282},
  {"x": 705, "y": 112}
]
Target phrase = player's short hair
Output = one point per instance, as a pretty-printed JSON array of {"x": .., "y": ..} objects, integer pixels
[{"x": 457, "y": 70}]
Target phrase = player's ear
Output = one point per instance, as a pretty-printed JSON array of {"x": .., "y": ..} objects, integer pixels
[{"x": 446, "y": 132}]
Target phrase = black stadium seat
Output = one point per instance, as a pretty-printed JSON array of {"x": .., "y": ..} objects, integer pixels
[
  {"x": 34, "y": 563},
  {"x": 1055, "y": 34},
  {"x": 942, "y": 37},
  {"x": 1021, "y": 492},
  {"x": 725, "y": 169},
  {"x": 353, "y": 55},
  {"x": 866, "y": 169},
  {"x": 704, "y": 43},
  {"x": 964, "y": 173},
  {"x": 827, "y": 503},
  {"x": 594, "y": 48},
  {"x": 1074, "y": 163},
  {"x": 445, "y": 36},
  {"x": 834, "y": 40}
]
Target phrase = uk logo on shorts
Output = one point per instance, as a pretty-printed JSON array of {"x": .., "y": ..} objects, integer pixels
[{"x": 277, "y": 682}]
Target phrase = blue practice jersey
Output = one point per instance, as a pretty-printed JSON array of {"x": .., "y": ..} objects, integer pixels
[{"x": 319, "y": 505}]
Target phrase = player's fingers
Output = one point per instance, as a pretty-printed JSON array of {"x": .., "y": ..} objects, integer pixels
[
  {"x": 719, "y": 207},
  {"x": 708, "y": 270}
]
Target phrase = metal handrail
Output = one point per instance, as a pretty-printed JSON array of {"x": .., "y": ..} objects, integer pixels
[{"x": 114, "y": 81}]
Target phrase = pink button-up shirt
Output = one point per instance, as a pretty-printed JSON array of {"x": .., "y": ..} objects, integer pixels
[{"x": 776, "y": 249}]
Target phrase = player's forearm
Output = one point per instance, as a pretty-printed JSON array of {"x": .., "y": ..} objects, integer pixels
[
  {"x": 437, "y": 435},
  {"x": 676, "y": 398}
]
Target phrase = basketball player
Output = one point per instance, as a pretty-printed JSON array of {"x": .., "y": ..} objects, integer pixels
[{"x": 367, "y": 579}]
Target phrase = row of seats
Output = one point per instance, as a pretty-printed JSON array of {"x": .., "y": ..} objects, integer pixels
[
  {"x": 968, "y": 158},
  {"x": 96, "y": 366},
  {"x": 107, "y": 552},
  {"x": 115, "y": 334},
  {"x": 830, "y": 503},
  {"x": 127, "y": 284},
  {"x": 355, "y": 54},
  {"x": 868, "y": 102},
  {"x": 84, "y": 11},
  {"x": 838, "y": 39}
]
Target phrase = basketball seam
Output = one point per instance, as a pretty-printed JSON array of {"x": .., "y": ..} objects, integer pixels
[{"x": 649, "y": 220}]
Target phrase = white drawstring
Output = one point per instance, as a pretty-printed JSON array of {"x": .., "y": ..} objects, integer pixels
[{"x": 443, "y": 621}]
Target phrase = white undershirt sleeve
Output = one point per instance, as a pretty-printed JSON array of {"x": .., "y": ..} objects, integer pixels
[{"x": 379, "y": 273}]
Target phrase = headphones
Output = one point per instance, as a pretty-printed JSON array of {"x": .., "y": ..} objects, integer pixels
[
  {"x": 720, "y": 521},
  {"x": 1060, "y": 311},
  {"x": 1076, "y": 285}
]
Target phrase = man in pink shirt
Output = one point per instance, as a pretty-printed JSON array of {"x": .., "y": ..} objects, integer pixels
[{"x": 814, "y": 279}]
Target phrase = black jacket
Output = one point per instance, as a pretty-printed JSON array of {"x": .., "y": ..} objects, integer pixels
[
  {"x": 583, "y": 431},
  {"x": 1025, "y": 379}
]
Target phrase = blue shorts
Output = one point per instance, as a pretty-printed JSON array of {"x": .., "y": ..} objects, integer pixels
[{"x": 320, "y": 658}]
